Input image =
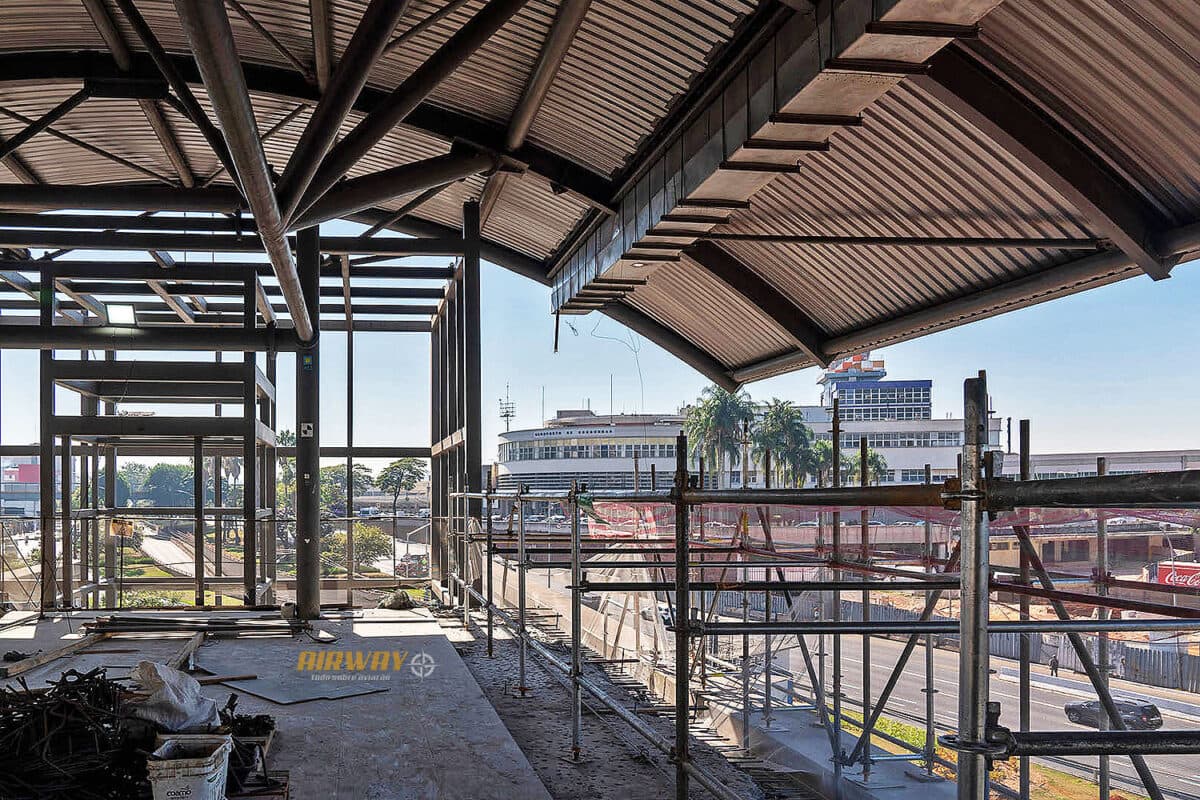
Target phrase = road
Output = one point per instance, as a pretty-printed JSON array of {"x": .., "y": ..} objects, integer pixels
[{"x": 1178, "y": 776}]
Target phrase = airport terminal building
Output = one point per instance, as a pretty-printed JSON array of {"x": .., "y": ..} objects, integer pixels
[{"x": 896, "y": 417}]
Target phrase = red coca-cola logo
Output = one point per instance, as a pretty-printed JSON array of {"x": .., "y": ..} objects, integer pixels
[{"x": 1177, "y": 576}]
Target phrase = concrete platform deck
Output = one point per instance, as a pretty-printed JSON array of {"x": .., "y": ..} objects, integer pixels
[{"x": 432, "y": 734}]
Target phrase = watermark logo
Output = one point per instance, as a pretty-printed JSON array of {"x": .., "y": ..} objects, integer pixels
[
  {"x": 363, "y": 665},
  {"x": 422, "y": 665}
]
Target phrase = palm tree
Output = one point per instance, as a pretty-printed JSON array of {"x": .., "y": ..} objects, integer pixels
[
  {"x": 877, "y": 468},
  {"x": 713, "y": 426},
  {"x": 782, "y": 431}
]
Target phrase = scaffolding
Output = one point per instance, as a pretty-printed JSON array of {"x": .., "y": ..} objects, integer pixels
[{"x": 691, "y": 574}]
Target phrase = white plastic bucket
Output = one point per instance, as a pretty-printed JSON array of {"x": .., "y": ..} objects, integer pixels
[{"x": 192, "y": 767}]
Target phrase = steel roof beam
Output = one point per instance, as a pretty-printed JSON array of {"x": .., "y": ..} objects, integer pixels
[
  {"x": 970, "y": 89},
  {"x": 558, "y": 41},
  {"x": 17, "y": 166},
  {"x": 112, "y": 37},
  {"x": 51, "y": 197},
  {"x": 272, "y": 40},
  {"x": 88, "y": 146},
  {"x": 184, "y": 101},
  {"x": 45, "y": 121},
  {"x": 206, "y": 26},
  {"x": 357, "y": 194},
  {"x": 1094, "y": 270},
  {"x": 219, "y": 243},
  {"x": 408, "y": 207},
  {"x": 444, "y": 123},
  {"x": 112, "y": 337},
  {"x": 769, "y": 300},
  {"x": 113, "y": 222},
  {"x": 401, "y": 102},
  {"x": 672, "y": 342},
  {"x": 172, "y": 301},
  {"x": 337, "y": 98},
  {"x": 322, "y": 40},
  {"x": 86, "y": 301}
]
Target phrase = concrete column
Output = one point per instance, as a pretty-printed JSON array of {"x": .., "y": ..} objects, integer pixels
[{"x": 308, "y": 462}]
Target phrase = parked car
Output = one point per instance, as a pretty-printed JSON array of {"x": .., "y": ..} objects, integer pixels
[{"x": 1136, "y": 714}]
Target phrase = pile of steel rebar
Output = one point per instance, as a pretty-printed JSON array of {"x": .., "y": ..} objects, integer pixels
[
  {"x": 262, "y": 625},
  {"x": 69, "y": 741}
]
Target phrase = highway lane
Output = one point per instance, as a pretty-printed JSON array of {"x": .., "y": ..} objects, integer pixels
[{"x": 1178, "y": 776}]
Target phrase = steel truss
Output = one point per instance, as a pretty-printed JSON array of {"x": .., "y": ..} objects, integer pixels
[{"x": 979, "y": 741}]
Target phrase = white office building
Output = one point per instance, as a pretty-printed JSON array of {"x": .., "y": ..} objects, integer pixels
[{"x": 895, "y": 416}]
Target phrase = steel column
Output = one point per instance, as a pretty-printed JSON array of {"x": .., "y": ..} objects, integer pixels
[
  {"x": 930, "y": 750},
  {"x": 521, "y": 632},
  {"x": 973, "y": 656},
  {"x": 836, "y": 481},
  {"x": 865, "y": 555},
  {"x": 198, "y": 516},
  {"x": 250, "y": 471},
  {"x": 1102, "y": 613},
  {"x": 68, "y": 565},
  {"x": 682, "y": 621},
  {"x": 308, "y": 463},
  {"x": 576, "y": 627}
]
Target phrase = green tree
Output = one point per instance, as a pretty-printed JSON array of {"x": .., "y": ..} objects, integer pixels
[
  {"x": 782, "y": 431},
  {"x": 285, "y": 475},
  {"x": 822, "y": 456},
  {"x": 134, "y": 475},
  {"x": 333, "y": 485},
  {"x": 401, "y": 476},
  {"x": 122, "y": 498},
  {"x": 168, "y": 485},
  {"x": 714, "y": 428},
  {"x": 877, "y": 468},
  {"x": 370, "y": 545}
]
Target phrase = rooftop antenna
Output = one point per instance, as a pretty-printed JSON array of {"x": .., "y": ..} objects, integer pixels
[{"x": 508, "y": 409}]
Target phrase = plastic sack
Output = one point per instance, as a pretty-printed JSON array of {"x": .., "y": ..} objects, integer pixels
[{"x": 175, "y": 702}]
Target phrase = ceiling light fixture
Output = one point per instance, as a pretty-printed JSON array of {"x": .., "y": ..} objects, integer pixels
[{"x": 121, "y": 314}]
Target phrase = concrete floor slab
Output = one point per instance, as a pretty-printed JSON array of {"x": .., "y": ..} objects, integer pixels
[{"x": 431, "y": 736}]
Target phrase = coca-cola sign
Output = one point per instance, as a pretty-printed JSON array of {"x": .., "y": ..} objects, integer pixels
[{"x": 1174, "y": 574}]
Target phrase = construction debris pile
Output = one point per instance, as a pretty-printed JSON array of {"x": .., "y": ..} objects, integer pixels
[
  {"x": 81, "y": 739},
  {"x": 70, "y": 740}
]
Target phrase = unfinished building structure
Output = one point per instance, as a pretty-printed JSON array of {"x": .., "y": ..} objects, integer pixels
[{"x": 756, "y": 187}]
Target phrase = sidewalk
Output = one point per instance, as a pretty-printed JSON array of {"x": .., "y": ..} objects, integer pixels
[{"x": 1165, "y": 699}]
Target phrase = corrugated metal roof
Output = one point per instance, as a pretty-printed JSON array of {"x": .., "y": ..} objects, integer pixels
[
  {"x": 1116, "y": 77},
  {"x": 912, "y": 169},
  {"x": 688, "y": 299},
  {"x": 1125, "y": 74},
  {"x": 602, "y": 107}
]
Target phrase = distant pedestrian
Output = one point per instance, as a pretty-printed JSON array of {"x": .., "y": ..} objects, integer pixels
[{"x": 1054, "y": 665}]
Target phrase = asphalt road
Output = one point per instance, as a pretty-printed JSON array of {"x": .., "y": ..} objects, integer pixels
[{"x": 1178, "y": 776}]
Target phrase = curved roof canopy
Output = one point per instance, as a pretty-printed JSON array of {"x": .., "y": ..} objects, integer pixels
[{"x": 757, "y": 187}]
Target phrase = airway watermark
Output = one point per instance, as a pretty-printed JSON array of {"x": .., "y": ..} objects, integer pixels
[
  {"x": 363, "y": 665},
  {"x": 1180, "y": 575}
]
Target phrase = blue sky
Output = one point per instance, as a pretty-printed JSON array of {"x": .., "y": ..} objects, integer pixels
[{"x": 1108, "y": 370}]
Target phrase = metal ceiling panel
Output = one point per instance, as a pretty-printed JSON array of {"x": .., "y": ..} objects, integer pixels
[
  {"x": 914, "y": 170},
  {"x": 688, "y": 299},
  {"x": 1123, "y": 75},
  {"x": 602, "y": 107}
]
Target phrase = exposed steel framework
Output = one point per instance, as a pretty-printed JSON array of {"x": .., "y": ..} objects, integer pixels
[{"x": 757, "y": 187}]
